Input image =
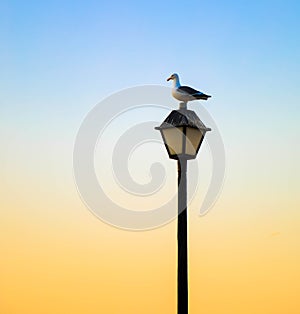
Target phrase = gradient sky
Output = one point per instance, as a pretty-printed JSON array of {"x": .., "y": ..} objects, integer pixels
[{"x": 57, "y": 60}]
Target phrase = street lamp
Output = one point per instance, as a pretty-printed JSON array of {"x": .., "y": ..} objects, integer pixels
[{"x": 183, "y": 133}]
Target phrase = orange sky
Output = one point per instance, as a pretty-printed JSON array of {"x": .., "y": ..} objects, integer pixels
[{"x": 56, "y": 257}]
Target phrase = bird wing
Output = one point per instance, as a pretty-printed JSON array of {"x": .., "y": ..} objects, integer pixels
[
  {"x": 193, "y": 92},
  {"x": 188, "y": 90}
]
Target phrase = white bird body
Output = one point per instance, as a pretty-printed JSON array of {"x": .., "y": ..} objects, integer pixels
[
  {"x": 182, "y": 96},
  {"x": 185, "y": 93}
]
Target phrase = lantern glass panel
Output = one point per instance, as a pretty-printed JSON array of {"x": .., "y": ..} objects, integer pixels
[
  {"x": 193, "y": 140},
  {"x": 173, "y": 138}
]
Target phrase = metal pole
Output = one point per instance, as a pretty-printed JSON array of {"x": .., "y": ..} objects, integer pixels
[{"x": 182, "y": 268}]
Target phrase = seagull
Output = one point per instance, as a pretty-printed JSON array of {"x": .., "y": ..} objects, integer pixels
[{"x": 185, "y": 93}]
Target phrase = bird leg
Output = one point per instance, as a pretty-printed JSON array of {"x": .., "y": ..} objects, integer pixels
[{"x": 183, "y": 105}]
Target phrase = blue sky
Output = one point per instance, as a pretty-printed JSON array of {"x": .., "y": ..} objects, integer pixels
[
  {"x": 75, "y": 50},
  {"x": 59, "y": 58}
]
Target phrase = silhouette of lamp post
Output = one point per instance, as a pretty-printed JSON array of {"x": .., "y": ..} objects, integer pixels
[{"x": 183, "y": 133}]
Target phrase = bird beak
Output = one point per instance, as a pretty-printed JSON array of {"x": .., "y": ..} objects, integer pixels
[{"x": 168, "y": 79}]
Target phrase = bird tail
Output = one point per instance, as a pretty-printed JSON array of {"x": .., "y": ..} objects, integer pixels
[{"x": 202, "y": 96}]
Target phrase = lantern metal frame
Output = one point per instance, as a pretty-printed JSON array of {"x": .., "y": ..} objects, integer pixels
[{"x": 183, "y": 121}]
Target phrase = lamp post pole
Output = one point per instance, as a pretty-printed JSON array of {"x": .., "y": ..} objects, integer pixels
[
  {"x": 182, "y": 268},
  {"x": 183, "y": 133}
]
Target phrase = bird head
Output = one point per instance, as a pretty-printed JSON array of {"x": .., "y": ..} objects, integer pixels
[{"x": 174, "y": 76}]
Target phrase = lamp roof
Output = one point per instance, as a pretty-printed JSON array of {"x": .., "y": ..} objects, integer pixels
[{"x": 181, "y": 118}]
